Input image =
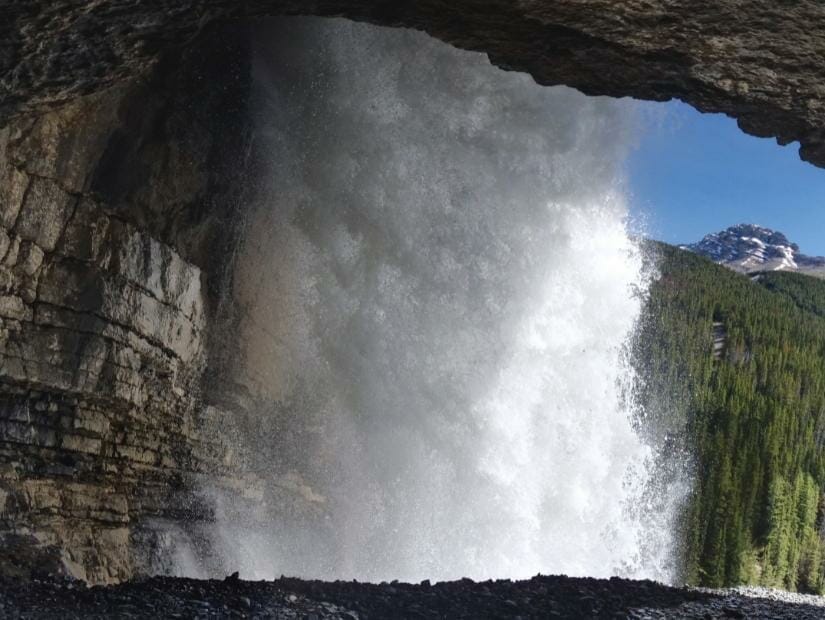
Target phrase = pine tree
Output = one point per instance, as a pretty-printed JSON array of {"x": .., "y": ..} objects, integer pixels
[{"x": 753, "y": 418}]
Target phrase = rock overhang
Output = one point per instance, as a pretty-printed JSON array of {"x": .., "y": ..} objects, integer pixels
[{"x": 759, "y": 62}]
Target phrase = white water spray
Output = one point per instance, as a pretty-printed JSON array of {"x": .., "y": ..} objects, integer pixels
[{"x": 440, "y": 283}]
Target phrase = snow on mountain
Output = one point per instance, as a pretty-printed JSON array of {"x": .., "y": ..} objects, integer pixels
[{"x": 748, "y": 248}]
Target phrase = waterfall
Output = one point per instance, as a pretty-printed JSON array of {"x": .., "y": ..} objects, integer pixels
[{"x": 440, "y": 287}]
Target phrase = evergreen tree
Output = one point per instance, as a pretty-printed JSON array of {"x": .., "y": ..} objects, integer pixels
[{"x": 733, "y": 368}]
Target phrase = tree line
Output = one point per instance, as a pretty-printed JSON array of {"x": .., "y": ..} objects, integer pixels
[{"x": 750, "y": 419}]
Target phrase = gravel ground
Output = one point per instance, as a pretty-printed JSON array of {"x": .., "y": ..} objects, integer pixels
[
  {"x": 540, "y": 597},
  {"x": 776, "y": 595}
]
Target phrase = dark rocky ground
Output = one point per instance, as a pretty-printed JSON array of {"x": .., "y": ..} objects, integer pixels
[{"x": 540, "y": 597}]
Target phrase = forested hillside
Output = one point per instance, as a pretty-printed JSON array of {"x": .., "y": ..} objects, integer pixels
[{"x": 751, "y": 417}]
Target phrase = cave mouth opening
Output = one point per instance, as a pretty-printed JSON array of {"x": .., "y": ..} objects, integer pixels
[
  {"x": 422, "y": 332},
  {"x": 432, "y": 302}
]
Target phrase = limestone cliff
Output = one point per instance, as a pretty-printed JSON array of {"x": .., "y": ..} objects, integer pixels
[{"x": 110, "y": 208}]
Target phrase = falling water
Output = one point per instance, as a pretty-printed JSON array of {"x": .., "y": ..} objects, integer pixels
[{"x": 445, "y": 280}]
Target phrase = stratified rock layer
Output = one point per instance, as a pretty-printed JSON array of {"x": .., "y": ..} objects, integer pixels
[
  {"x": 104, "y": 237},
  {"x": 760, "y": 60},
  {"x": 119, "y": 214}
]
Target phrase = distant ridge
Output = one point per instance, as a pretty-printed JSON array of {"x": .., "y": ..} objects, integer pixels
[{"x": 748, "y": 248}]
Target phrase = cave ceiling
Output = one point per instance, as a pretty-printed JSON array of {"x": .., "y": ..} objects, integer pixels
[{"x": 760, "y": 61}]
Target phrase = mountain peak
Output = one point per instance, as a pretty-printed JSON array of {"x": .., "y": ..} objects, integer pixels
[
  {"x": 748, "y": 248},
  {"x": 760, "y": 233}
]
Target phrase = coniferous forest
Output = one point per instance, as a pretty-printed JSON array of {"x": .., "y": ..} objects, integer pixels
[{"x": 732, "y": 376}]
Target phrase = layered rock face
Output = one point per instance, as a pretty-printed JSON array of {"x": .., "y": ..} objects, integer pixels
[
  {"x": 111, "y": 209},
  {"x": 759, "y": 61}
]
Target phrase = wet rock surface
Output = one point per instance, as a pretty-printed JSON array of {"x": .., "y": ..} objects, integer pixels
[
  {"x": 540, "y": 597},
  {"x": 111, "y": 211},
  {"x": 118, "y": 419},
  {"x": 759, "y": 61}
]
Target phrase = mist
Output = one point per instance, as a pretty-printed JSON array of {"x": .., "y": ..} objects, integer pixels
[{"x": 440, "y": 291}]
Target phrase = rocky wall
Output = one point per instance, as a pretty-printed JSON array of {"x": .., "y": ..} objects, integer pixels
[
  {"x": 112, "y": 209},
  {"x": 757, "y": 60}
]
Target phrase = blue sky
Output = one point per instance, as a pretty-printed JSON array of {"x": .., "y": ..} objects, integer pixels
[{"x": 697, "y": 173}]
